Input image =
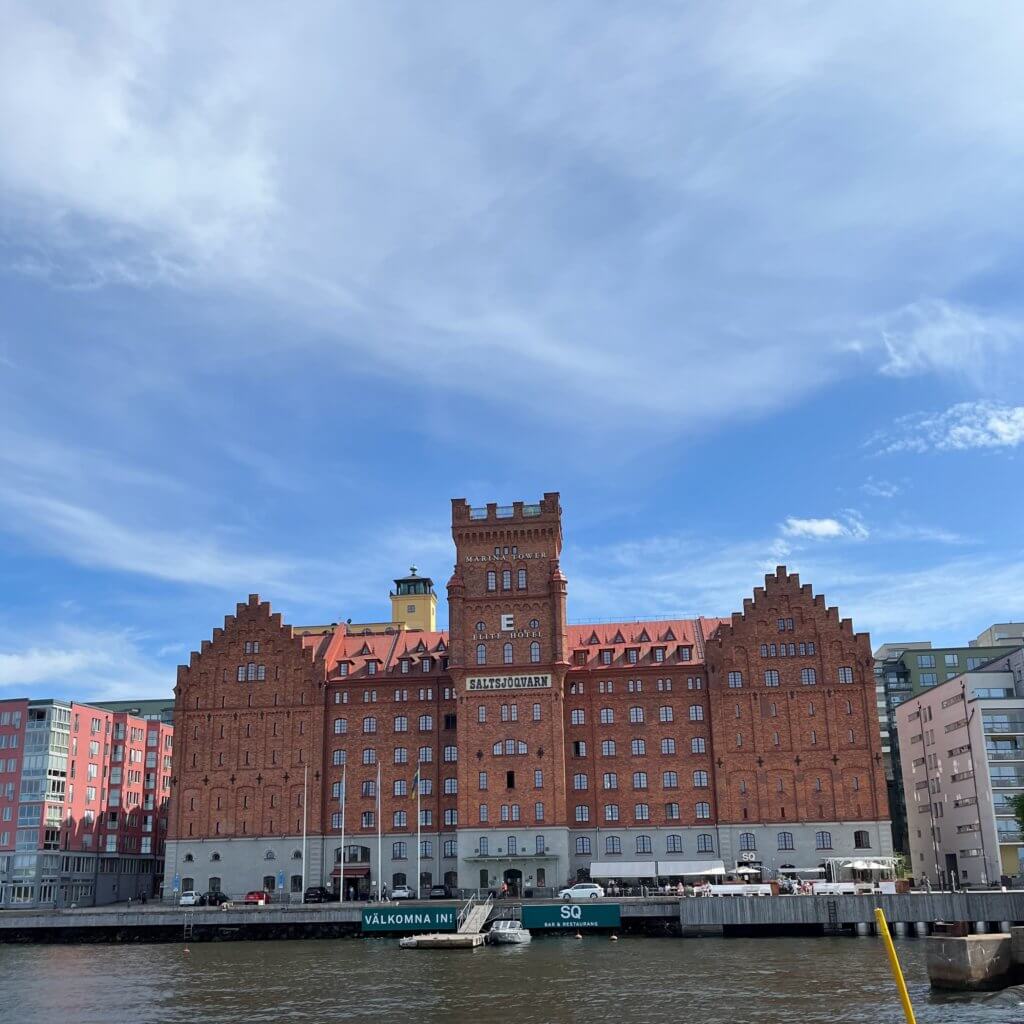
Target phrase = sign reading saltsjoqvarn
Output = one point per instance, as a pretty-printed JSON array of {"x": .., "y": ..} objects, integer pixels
[
  {"x": 538, "y": 682},
  {"x": 406, "y": 919}
]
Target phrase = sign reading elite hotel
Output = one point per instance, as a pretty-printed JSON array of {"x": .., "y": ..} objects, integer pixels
[
  {"x": 572, "y": 915},
  {"x": 407, "y": 919},
  {"x": 541, "y": 681}
]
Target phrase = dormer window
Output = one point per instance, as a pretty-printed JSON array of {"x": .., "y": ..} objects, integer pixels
[
  {"x": 606, "y": 657},
  {"x": 685, "y": 653},
  {"x": 342, "y": 668},
  {"x": 427, "y": 664},
  {"x": 404, "y": 666},
  {"x": 632, "y": 655},
  {"x": 580, "y": 657},
  {"x": 371, "y": 668},
  {"x": 659, "y": 653}
]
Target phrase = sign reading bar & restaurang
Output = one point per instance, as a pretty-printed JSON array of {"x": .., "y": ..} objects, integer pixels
[
  {"x": 409, "y": 919},
  {"x": 537, "y": 682},
  {"x": 572, "y": 915}
]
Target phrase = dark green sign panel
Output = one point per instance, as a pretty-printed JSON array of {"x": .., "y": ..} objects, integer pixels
[
  {"x": 572, "y": 916},
  {"x": 409, "y": 919}
]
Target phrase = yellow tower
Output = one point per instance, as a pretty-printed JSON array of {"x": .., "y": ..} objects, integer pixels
[{"x": 414, "y": 603}]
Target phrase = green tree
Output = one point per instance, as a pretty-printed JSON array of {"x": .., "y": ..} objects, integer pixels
[{"x": 1017, "y": 805}]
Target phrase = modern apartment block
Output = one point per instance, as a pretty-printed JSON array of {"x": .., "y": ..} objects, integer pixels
[
  {"x": 903, "y": 670},
  {"x": 541, "y": 751},
  {"x": 1000, "y": 634},
  {"x": 83, "y": 804},
  {"x": 962, "y": 757}
]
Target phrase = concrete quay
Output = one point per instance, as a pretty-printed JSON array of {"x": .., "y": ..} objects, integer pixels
[{"x": 724, "y": 915}]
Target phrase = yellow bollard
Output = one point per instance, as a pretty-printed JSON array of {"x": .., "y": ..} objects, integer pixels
[{"x": 894, "y": 963}]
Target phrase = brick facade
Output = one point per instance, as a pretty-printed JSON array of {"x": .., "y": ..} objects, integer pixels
[{"x": 537, "y": 742}]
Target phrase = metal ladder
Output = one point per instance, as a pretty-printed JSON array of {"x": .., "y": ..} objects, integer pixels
[{"x": 188, "y": 925}]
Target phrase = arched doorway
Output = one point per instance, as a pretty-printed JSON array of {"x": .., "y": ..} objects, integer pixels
[{"x": 513, "y": 878}]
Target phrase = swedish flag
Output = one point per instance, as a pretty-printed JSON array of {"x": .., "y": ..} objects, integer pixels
[{"x": 415, "y": 783}]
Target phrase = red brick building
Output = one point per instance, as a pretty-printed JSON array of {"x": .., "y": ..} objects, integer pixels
[{"x": 543, "y": 750}]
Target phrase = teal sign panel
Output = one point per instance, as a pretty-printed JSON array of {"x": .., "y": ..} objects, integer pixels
[
  {"x": 572, "y": 916},
  {"x": 409, "y": 919}
]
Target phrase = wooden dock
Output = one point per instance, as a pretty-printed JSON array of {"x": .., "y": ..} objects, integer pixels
[{"x": 444, "y": 940}]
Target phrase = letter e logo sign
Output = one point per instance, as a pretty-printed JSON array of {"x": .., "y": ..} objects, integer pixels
[{"x": 507, "y": 622}]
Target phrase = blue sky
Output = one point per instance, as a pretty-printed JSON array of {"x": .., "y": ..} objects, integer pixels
[{"x": 742, "y": 284}]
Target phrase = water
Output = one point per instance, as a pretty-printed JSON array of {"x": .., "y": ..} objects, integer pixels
[{"x": 557, "y": 979}]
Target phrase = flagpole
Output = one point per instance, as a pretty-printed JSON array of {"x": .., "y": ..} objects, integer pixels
[
  {"x": 305, "y": 804},
  {"x": 419, "y": 876},
  {"x": 341, "y": 873},
  {"x": 380, "y": 842}
]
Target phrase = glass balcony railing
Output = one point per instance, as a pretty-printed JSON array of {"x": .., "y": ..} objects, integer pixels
[
  {"x": 1010, "y": 836},
  {"x": 1004, "y": 725},
  {"x": 1015, "y": 781},
  {"x": 1016, "y": 754}
]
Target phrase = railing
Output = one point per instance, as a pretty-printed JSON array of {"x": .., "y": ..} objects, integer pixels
[
  {"x": 1003, "y": 725},
  {"x": 1006, "y": 781},
  {"x": 1006, "y": 836},
  {"x": 1006, "y": 755}
]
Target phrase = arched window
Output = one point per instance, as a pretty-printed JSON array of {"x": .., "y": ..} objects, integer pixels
[
  {"x": 861, "y": 840},
  {"x": 583, "y": 844},
  {"x": 506, "y": 654},
  {"x": 189, "y": 858},
  {"x": 481, "y": 654},
  {"x": 674, "y": 844},
  {"x": 696, "y": 713},
  {"x": 521, "y": 579},
  {"x": 705, "y": 843},
  {"x": 213, "y": 883},
  {"x": 785, "y": 840},
  {"x": 823, "y": 840},
  {"x": 480, "y": 627},
  {"x": 215, "y": 855},
  {"x": 251, "y": 671},
  {"x": 506, "y": 579},
  {"x": 535, "y": 652},
  {"x": 510, "y": 844},
  {"x": 492, "y": 580},
  {"x": 397, "y": 879},
  {"x": 703, "y": 809},
  {"x": 188, "y": 884},
  {"x": 643, "y": 844},
  {"x": 700, "y": 780},
  {"x": 612, "y": 844},
  {"x": 747, "y": 841}
]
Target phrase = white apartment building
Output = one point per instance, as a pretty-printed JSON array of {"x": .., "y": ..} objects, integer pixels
[{"x": 962, "y": 753}]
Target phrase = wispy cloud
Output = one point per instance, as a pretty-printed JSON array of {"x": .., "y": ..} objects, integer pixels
[
  {"x": 966, "y": 426},
  {"x": 880, "y": 488},
  {"x": 851, "y": 528}
]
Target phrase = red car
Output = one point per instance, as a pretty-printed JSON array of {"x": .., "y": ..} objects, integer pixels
[{"x": 257, "y": 896}]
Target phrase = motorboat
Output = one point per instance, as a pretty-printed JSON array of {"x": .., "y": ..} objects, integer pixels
[{"x": 508, "y": 931}]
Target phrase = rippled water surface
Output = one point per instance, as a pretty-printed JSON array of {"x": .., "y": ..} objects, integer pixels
[{"x": 555, "y": 979}]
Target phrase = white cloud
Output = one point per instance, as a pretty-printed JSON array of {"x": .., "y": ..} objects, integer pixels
[
  {"x": 880, "y": 488},
  {"x": 84, "y": 664},
  {"x": 966, "y": 426},
  {"x": 852, "y": 527}
]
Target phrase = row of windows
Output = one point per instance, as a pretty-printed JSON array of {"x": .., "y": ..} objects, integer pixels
[
  {"x": 508, "y": 713},
  {"x": 425, "y": 723},
  {"x": 610, "y": 780},
  {"x": 635, "y": 685},
  {"x": 400, "y": 850},
  {"x": 401, "y": 755},
  {"x": 577, "y": 716},
  {"x": 638, "y": 747},
  {"x": 642, "y": 812},
  {"x": 370, "y": 696},
  {"x": 368, "y": 819},
  {"x": 506, "y": 579},
  {"x": 788, "y": 650},
  {"x": 507, "y": 653},
  {"x": 673, "y": 844},
  {"x": 808, "y": 677}
]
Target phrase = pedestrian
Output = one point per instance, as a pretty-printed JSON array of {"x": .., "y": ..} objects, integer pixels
[
  {"x": 384, "y": 892},
  {"x": 129, "y": 903},
  {"x": 927, "y": 884},
  {"x": 504, "y": 890}
]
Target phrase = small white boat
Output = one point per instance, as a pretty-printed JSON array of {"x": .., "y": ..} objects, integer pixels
[{"x": 508, "y": 932}]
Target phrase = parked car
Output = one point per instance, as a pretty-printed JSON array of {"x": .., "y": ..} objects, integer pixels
[
  {"x": 402, "y": 892},
  {"x": 189, "y": 898},
  {"x": 317, "y": 894},
  {"x": 258, "y": 896},
  {"x": 582, "y": 891},
  {"x": 440, "y": 892},
  {"x": 214, "y": 899}
]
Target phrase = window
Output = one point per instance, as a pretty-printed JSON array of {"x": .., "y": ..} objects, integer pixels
[
  {"x": 929, "y": 678},
  {"x": 536, "y": 712},
  {"x": 451, "y": 816},
  {"x": 583, "y": 844},
  {"x": 861, "y": 839},
  {"x": 576, "y": 716},
  {"x": 521, "y": 579},
  {"x": 700, "y": 780},
  {"x": 642, "y": 812},
  {"x": 823, "y": 840},
  {"x": 771, "y": 677},
  {"x": 669, "y": 780},
  {"x": 785, "y": 840},
  {"x": 535, "y": 652},
  {"x": 705, "y": 843},
  {"x": 926, "y": 661},
  {"x": 538, "y": 779},
  {"x": 638, "y": 747},
  {"x": 579, "y": 748},
  {"x": 579, "y": 781},
  {"x": 582, "y": 812},
  {"x": 659, "y": 653},
  {"x": 506, "y": 654},
  {"x": 369, "y": 756},
  {"x": 481, "y": 713},
  {"x": 735, "y": 680},
  {"x": 632, "y": 654},
  {"x": 636, "y": 715},
  {"x": 401, "y": 724},
  {"x": 703, "y": 810},
  {"x": 506, "y": 579},
  {"x": 612, "y": 844},
  {"x": 482, "y": 780},
  {"x": 639, "y": 780},
  {"x": 481, "y": 654},
  {"x": 450, "y": 755},
  {"x": 747, "y": 841},
  {"x": 607, "y": 748},
  {"x": 606, "y": 657},
  {"x": 696, "y": 713},
  {"x": 674, "y": 844},
  {"x": 611, "y": 812},
  {"x": 672, "y": 812},
  {"x": 808, "y": 677},
  {"x": 610, "y": 780},
  {"x": 668, "y": 745},
  {"x": 425, "y": 723},
  {"x": 483, "y": 813},
  {"x": 845, "y": 674},
  {"x": 366, "y": 819},
  {"x": 643, "y": 844},
  {"x": 426, "y": 755},
  {"x": 492, "y": 580}
]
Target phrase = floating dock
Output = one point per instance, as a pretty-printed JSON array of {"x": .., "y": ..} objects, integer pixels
[{"x": 444, "y": 940}]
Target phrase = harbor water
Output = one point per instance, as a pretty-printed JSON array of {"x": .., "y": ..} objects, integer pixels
[{"x": 555, "y": 979}]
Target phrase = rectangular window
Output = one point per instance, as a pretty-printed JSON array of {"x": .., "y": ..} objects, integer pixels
[
  {"x": 735, "y": 680},
  {"x": 926, "y": 661}
]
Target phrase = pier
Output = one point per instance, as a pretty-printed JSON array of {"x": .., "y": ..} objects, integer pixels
[{"x": 911, "y": 913}]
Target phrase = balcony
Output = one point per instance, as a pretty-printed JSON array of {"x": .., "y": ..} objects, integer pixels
[
  {"x": 1009, "y": 726},
  {"x": 1008, "y": 781},
  {"x": 1006, "y": 755},
  {"x": 1008, "y": 836}
]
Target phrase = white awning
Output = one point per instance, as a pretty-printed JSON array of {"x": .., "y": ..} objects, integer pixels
[
  {"x": 668, "y": 868},
  {"x": 624, "y": 869}
]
